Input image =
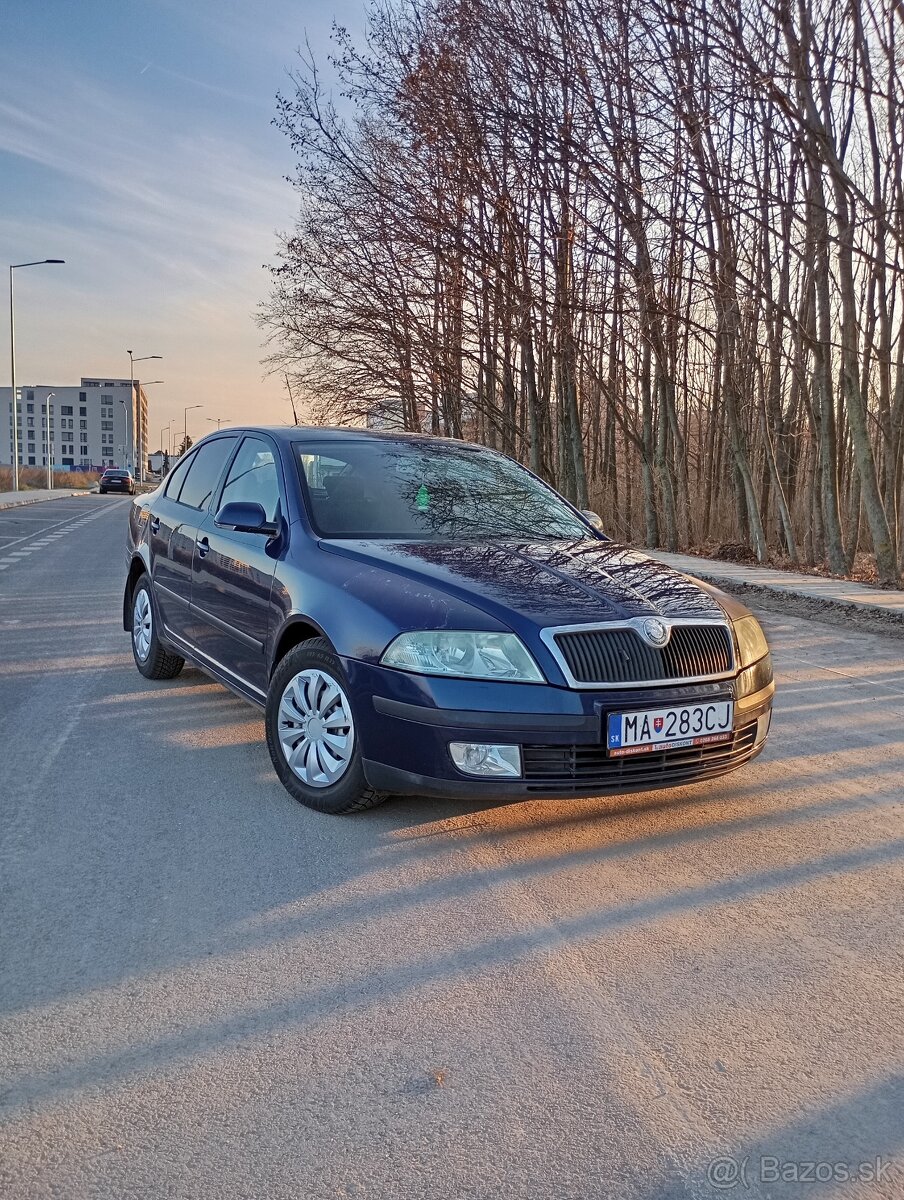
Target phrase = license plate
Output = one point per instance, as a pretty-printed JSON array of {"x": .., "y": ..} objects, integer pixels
[{"x": 670, "y": 728}]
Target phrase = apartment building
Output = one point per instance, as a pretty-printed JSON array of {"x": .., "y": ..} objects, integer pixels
[{"x": 84, "y": 425}]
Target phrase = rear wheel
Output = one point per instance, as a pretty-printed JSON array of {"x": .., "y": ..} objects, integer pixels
[
  {"x": 311, "y": 732},
  {"x": 152, "y": 658}
]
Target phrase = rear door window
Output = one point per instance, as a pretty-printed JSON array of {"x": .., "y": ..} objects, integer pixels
[
  {"x": 176, "y": 477},
  {"x": 205, "y": 471}
]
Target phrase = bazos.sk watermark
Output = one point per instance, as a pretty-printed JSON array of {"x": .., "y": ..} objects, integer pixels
[{"x": 727, "y": 1172}]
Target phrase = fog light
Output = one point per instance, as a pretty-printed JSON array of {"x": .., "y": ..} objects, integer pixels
[
  {"x": 475, "y": 758},
  {"x": 762, "y": 727}
]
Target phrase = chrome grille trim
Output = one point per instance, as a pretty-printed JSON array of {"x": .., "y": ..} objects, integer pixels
[{"x": 592, "y": 660}]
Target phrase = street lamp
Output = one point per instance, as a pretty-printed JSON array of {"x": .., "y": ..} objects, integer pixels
[
  {"x": 12, "y": 358},
  {"x": 132, "y": 361},
  {"x": 125, "y": 413},
  {"x": 188, "y": 409},
  {"x": 49, "y": 440},
  {"x": 215, "y": 421}
]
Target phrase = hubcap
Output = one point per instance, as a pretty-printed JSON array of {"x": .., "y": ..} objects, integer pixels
[
  {"x": 142, "y": 621},
  {"x": 316, "y": 730}
]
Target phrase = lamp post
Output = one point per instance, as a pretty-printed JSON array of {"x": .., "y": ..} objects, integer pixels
[
  {"x": 132, "y": 361},
  {"x": 215, "y": 421},
  {"x": 188, "y": 409},
  {"x": 126, "y": 408},
  {"x": 47, "y": 434},
  {"x": 12, "y": 358}
]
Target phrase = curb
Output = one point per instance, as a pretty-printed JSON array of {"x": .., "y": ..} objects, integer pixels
[
  {"x": 62, "y": 495},
  {"x": 784, "y": 598}
]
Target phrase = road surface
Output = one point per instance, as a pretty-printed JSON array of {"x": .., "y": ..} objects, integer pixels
[{"x": 208, "y": 991}]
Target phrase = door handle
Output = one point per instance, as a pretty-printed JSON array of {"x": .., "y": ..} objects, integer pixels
[
  {"x": 155, "y": 524},
  {"x": 203, "y": 546}
]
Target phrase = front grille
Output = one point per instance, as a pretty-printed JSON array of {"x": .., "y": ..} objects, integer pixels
[
  {"x": 621, "y": 656},
  {"x": 558, "y": 770}
]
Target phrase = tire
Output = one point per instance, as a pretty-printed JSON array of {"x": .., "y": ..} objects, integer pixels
[
  {"x": 302, "y": 698},
  {"x": 103, "y": 491},
  {"x": 152, "y": 658}
]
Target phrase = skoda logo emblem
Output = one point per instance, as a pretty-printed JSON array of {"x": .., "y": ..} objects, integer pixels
[{"x": 655, "y": 631}]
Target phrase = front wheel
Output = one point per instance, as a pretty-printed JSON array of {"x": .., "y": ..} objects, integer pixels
[
  {"x": 311, "y": 732},
  {"x": 152, "y": 658}
]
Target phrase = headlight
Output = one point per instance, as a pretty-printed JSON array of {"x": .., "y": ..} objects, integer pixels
[
  {"x": 755, "y": 678},
  {"x": 751, "y": 640},
  {"x": 465, "y": 654}
]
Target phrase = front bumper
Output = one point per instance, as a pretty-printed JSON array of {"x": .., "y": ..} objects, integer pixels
[{"x": 406, "y": 722}]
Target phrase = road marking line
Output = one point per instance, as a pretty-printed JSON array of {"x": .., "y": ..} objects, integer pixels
[{"x": 24, "y": 538}]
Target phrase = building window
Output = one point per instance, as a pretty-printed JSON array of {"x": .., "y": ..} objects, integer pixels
[
  {"x": 31, "y": 460},
  {"x": 29, "y": 394},
  {"x": 66, "y": 410},
  {"x": 82, "y": 397},
  {"x": 30, "y": 407},
  {"x": 83, "y": 424},
  {"x": 31, "y": 422},
  {"x": 83, "y": 412}
]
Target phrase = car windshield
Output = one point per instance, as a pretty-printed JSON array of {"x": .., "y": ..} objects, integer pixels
[{"x": 420, "y": 492}]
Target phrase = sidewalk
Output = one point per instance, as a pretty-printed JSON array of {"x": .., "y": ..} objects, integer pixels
[
  {"x": 34, "y": 495},
  {"x": 841, "y": 592}
]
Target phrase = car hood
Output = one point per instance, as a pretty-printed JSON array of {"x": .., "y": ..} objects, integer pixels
[{"x": 544, "y": 583}]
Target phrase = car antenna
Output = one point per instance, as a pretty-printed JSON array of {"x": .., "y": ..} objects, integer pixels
[{"x": 291, "y": 401}]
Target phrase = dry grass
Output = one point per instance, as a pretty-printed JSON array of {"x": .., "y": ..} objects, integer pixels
[{"x": 35, "y": 478}]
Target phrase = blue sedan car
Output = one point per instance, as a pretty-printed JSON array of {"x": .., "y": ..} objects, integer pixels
[{"x": 422, "y": 616}]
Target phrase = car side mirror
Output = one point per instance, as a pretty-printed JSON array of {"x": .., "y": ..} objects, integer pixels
[
  {"x": 245, "y": 516},
  {"x": 594, "y": 518}
]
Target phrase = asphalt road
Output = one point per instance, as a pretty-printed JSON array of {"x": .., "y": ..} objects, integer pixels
[{"x": 208, "y": 991}]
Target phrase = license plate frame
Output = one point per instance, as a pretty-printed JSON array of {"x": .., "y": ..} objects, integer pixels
[{"x": 652, "y": 730}]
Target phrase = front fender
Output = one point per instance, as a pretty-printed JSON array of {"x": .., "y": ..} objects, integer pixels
[{"x": 350, "y": 604}]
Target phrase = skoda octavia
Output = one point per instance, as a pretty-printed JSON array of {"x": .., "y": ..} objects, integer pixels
[{"x": 421, "y": 616}]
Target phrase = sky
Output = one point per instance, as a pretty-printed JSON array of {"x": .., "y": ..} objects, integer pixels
[{"x": 136, "y": 143}]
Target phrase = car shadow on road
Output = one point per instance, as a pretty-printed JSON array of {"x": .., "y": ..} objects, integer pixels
[
  {"x": 26, "y": 1091},
  {"x": 162, "y": 876}
]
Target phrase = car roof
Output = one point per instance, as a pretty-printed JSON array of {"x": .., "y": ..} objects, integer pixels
[{"x": 334, "y": 433}]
